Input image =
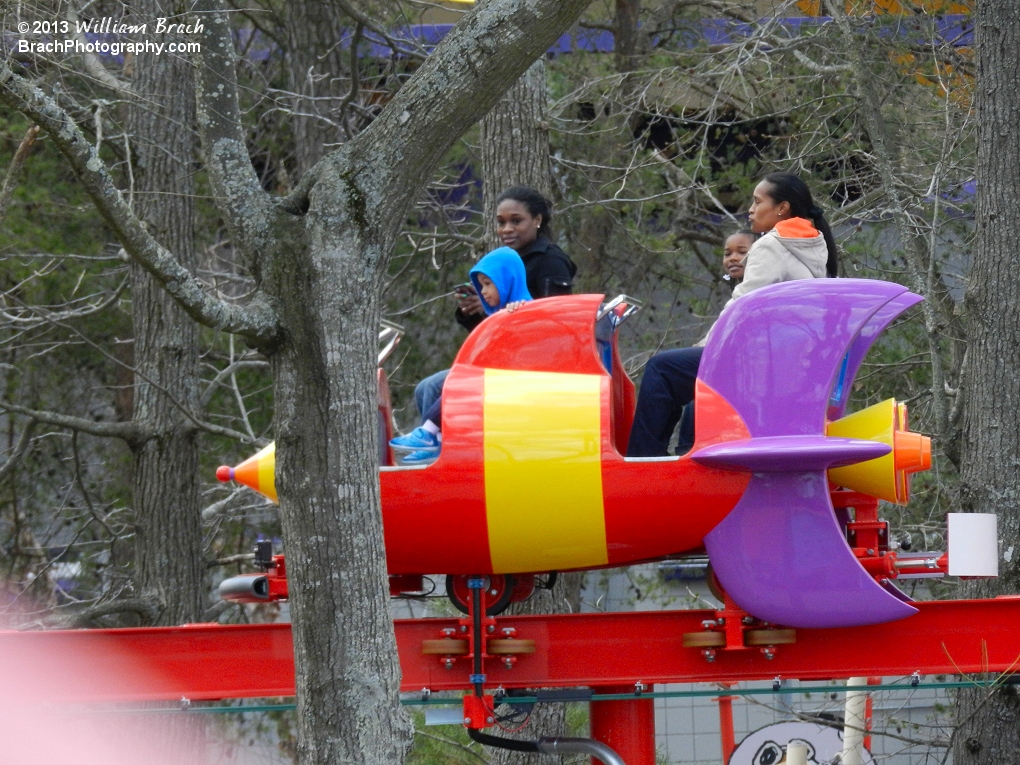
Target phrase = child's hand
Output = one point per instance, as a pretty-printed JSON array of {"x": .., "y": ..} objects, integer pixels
[
  {"x": 511, "y": 307},
  {"x": 468, "y": 302}
]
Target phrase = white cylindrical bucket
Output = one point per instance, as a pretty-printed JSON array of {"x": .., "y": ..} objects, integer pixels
[{"x": 973, "y": 544}]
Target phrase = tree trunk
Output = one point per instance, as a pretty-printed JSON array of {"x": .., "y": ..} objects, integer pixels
[
  {"x": 988, "y": 732},
  {"x": 625, "y": 34},
  {"x": 315, "y": 68},
  {"x": 168, "y": 543},
  {"x": 515, "y": 144},
  {"x": 325, "y": 424}
]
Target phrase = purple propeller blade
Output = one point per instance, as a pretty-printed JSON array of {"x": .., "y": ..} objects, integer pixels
[
  {"x": 881, "y": 319},
  {"x": 782, "y": 557},
  {"x": 774, "y": 354}
]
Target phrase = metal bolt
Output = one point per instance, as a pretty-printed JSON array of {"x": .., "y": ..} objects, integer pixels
[
  {"x": 449, "y": 631},
  {"x": 426, "y": 693},
  {"x": 709, "y": 654},
  {"x": 463, "y": 628},
  {"x": 509, "y": 631},
  {"x": 870, "y": 551},
  {"x": 720, "y": 621},
  {"x": 769, "y": 652},
  {"x": 492, "y": 628},
  {"x": 488, "y": 720},
  {"x": 467, "y": 720},
  {"x": 748, "y": 620},
  {"x": 508, "y": 662},
  {"x": 448, "y": 662}
]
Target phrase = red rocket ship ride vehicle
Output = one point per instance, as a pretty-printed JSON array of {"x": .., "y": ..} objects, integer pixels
[{"x": 781, "y": 488}]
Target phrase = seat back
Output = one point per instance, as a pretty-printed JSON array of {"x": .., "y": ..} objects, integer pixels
[{"x": 608, "y": 321}]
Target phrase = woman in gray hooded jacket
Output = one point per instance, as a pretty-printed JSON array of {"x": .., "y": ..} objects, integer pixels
[{"x": 796, "y": 244}]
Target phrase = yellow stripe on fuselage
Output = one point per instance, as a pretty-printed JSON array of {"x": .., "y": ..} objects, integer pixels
[{"x": 543, "y": 471}]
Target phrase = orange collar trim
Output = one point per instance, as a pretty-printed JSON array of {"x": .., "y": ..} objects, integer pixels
[{"x": 796, "y": 228}]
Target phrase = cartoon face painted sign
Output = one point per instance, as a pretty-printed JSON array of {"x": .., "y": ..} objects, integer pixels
[{"x": 767, "y": 746}]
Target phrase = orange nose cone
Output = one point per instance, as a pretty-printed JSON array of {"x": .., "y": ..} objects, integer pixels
[
  {"x": 223, "y": 473},
  {"x": 912, "y": 450}
]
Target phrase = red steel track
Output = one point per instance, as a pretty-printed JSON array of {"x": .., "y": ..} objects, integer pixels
[{"x": 595, "y": 650}]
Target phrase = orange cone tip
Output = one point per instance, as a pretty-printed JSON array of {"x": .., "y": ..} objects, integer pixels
[
  {"x": 256, "y": 472},
  {"x": 913, "y": 451}
]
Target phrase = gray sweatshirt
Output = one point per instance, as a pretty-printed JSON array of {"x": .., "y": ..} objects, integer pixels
[{"x": 774, "y": 259}]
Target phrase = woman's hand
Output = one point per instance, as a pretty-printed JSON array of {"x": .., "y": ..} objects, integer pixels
[{"x": 511, "y": 307}]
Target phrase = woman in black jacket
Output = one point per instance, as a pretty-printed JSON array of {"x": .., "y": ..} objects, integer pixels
[{"x": 522, "y": 223}]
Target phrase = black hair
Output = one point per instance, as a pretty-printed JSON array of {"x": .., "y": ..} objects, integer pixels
[
  {"x": 741, "y": 232},
  {"x": 787, "y": 187},
  {"x": 534, "y": 203}
]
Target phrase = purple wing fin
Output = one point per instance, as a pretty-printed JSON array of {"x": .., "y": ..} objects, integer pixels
[
  {"x": 790, "y": 454},
  {"x": 776, "y": 355}
]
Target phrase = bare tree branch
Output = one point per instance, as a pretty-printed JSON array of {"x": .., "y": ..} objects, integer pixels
[
  {"x": 241, "y": 363},
  {"x": 366, "y": 22},
  {"x": 45, "y": 316},
  {"x": 146, "y": 608},
  {"x": 93, "y": 65},
  {"x": 937, "y": 309},
  {"x": 226, "y": 561},
  {"x": 7, "y": 191},
  {"x": 80, "y": 480},
  {"x": 249, "y": 210},
  {"x": 213, "y": 612},
  {"x": 257, "y": 322},
  {"x": 355, "y": 82},
  {"x": 125, "y": 430},
  {"x": 20, "y": 450},
  {"x": 416, "y": 128}
]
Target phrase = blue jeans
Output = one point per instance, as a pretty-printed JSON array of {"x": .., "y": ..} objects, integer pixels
[
  {"x": 429, "y": 391},
  {"x": 666, "y": 388}
]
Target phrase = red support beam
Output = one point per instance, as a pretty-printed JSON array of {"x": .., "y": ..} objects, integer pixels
[
  {"x": 628, "y": 726},
  {"x": 594, "y": 650},
  {"x": 726, "y": 734},
  {"x": 199, "y": 661}
]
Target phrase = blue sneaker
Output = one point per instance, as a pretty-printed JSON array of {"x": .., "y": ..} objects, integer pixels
[
  {"x": 419, "y": 438},
  {"x": 420, "y": 457}
]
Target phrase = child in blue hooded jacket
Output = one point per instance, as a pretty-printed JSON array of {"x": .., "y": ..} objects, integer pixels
[{"x": 499, "y": 277}]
